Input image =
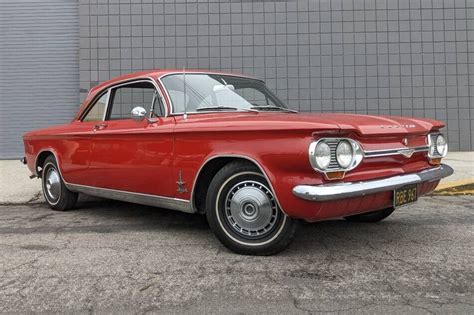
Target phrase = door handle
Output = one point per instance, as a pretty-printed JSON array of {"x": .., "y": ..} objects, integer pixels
[{"x": 100, "y": 127}]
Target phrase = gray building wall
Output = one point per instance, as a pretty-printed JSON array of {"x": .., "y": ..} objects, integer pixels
[
  {"x": 39, "y": 67},
  {"x": 393, "y": 57}
]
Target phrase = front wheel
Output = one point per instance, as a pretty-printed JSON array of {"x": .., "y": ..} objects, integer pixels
[
  {"x": 371, "y": 217},
  {"x": 243, "y": 213},
  {"x": 55, "y": 192}
]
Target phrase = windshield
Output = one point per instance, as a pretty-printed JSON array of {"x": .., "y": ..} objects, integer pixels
[{"x": 200, "y": 92}]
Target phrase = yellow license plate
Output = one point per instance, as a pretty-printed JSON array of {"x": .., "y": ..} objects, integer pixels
[{"x": 405, "y": 195}]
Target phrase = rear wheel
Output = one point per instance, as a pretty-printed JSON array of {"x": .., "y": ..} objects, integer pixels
[
  {"x": 55, "y": 192},
  {"x": 371, "y": 217},
  {"x": 243, "y": 213}
]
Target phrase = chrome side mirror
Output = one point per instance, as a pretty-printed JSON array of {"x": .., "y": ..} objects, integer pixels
[{"x": 138, "y": 113}]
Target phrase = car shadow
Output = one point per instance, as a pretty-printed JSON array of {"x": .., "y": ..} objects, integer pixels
[{"x": 104, "y": 216}]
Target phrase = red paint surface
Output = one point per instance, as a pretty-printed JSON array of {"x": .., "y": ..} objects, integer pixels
[{"x": 147, "y": 158}]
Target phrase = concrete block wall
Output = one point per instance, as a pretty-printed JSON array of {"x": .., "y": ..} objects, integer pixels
[{"x": 390, "y": 57}]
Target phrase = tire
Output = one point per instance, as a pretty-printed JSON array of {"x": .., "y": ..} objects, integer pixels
[
  {"x": 55, "y": 192},
  {"x": 371, "y": 217},
  {"x": 244, "y": 214}
]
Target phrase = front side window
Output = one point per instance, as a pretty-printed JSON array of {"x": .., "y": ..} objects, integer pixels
[
  {"x": 193, "y": 92},
  {"x": 127, "y": 97},
  {"x": 97, "y": 110}
]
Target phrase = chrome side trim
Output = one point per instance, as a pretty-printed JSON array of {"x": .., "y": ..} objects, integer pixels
[
  {"x": 355, "y": 189},
  {"x": 143, "y": 199},
  {"x": 193, "y": 199},
  {"x": 387, "y": 152}
]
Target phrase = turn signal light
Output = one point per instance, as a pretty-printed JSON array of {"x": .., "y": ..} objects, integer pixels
[
  {"x": 335, "y": 175},
  {"x": 435, "y": 161}
]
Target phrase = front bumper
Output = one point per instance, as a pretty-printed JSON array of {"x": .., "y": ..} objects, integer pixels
[{"x": 356, "y": 189}]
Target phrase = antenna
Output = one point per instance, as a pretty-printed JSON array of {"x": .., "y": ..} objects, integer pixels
[{"x": 185, "y": 116}]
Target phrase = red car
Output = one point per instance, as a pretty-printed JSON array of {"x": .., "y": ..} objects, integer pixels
[{"x": 224, "y": 145}]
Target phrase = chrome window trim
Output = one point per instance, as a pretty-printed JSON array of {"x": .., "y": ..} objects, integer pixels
[
  {"x": 125, "y": 82},
  {"x": 116, "y": 86},
  {"x": 170, "y": 103}
]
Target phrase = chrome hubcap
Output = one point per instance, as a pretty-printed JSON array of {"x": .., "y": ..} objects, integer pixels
[
  {"x": 251, "y": 209},
  {"x": 53, "y": 184}
]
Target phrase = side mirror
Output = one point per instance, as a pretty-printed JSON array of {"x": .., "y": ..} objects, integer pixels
[{"x": 138, "y": 113}]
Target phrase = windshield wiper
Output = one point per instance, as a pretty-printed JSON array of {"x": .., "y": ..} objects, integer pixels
[
  {"x": 216, "y": 108},
  {"x": 262, "y": 107},
  {"x": 210, "y": 108}
]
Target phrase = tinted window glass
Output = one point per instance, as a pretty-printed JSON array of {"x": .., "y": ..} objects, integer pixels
[
  {"x": 125, "y": 98},
  {"x": 97, "y": 111}
]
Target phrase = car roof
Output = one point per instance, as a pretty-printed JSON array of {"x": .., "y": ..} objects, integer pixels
[
  {"x": 154, "y": 74},
  {"x": 157, "y": 73}
]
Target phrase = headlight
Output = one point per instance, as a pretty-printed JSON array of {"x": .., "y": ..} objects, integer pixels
[
  {"x": 344, "y": 154},
  {"x": 335, "y": 156},
  {"x": 438, "y": 146},
  {"x": 322, "y": 155},
  {"x": 441, "y": 145}
]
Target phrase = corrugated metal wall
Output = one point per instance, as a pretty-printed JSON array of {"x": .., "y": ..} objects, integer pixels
[{"x": 39, "y": 67}]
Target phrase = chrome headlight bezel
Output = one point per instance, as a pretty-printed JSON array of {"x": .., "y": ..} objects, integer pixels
[
  {"x": 434, "y": 150},
  {"x": 334, "y": 166}
]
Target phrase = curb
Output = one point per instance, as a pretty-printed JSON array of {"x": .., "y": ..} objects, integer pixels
[
  {"x": 456, "y": 188},
  {"x": 455, "y": 184}
]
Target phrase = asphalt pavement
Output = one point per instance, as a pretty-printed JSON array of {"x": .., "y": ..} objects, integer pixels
[{"x": 108, "y": 256}]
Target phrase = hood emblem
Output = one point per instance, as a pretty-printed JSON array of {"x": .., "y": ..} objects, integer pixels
[
  {"x": 407, "y": 152},
  {"x": 397, "y": 126},
  {"x": 405, "y": 141}
]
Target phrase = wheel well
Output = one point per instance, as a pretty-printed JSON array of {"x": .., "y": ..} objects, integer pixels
[
  {"x": 207, "y": 173},
  {"x": 40, "y": 161}
]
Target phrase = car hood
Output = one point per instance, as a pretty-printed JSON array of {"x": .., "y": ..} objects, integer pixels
[
  {"x": 382, "y": 125},
  {"x": 364, "y": 125}
]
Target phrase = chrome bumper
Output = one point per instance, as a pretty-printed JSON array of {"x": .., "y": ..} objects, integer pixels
[{"x": 356, "y": 189}]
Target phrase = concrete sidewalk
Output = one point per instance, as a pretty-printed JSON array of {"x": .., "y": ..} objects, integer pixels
[{"x": 16, "y": 187}]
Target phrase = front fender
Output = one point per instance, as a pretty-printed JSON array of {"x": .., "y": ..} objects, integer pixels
[{"x": 281, "y": 156}]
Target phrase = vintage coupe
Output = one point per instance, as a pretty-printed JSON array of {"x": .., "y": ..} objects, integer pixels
[{"x": 224, "y": 145}]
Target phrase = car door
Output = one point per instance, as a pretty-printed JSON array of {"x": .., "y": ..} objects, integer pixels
[
  {"x": 74, "y": 149},
  {"x": 129, "y": 155}
]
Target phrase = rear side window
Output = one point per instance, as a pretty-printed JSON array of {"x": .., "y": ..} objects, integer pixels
[
  {"x": 98, "y": 109},
  {"x": 125, "y": 98}
]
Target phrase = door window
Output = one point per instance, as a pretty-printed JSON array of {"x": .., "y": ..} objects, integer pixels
[
  {"x": 125, "y": 98},
  {"x": 97, "y": 111}
]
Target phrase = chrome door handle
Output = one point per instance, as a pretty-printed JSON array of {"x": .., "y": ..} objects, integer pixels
[{"x": 100, "y": 127}]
